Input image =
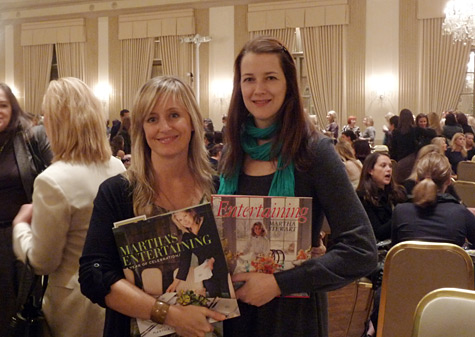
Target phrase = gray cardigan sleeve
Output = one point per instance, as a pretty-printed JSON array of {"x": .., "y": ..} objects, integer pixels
[{"x": 353, "y": 253}]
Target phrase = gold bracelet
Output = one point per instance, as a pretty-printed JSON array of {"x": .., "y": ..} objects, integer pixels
[{"x": 159, "y": 312}]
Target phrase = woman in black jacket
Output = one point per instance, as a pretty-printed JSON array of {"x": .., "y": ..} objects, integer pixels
[{"x": 379, "y": 193}]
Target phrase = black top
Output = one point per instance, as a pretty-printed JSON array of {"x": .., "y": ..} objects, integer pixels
[
  {"x": 328, "y": 184},
  {"x": 446, "y": 221},
  {"x": 379, "y": 215},
  {"x": 12, "y": 193},
  {"x": 403, "y": 145}
]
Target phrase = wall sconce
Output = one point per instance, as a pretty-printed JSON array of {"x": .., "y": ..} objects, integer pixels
[
  {"x": 102, "y": 91},
  {"x": 383, "y": 85},
  {"x": 222, "y": 88}
]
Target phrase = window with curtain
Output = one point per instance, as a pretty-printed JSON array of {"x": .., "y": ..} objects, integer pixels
[
  {"x": 467, "y": 97},
  {"x": 54, "y": 66}
]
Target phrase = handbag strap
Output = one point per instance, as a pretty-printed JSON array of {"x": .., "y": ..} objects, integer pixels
[{"x": 34, "y": 280}]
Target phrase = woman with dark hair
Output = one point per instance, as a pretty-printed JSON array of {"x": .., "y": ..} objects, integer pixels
[
  {"x": 403, "y": 142},
  {"x": 424, "y": 133},
  {"x": 462, "y": 120},
  {"x": 273, "y": 149},
  {"x": 379, "y": 193},
  {"x": 451, "y": 126},
  {"x": 19, "y": 142},
  {"x": 433, "y": 214}
]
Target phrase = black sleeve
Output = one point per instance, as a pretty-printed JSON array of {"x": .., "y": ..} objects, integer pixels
[
  {"x": 381, "y": 229},
  {"x": 100, "y": 265},
  {"x": 185, "y": 260},
  {"x": 41, "y": 142},
  {"x": 353, "y": 253}
]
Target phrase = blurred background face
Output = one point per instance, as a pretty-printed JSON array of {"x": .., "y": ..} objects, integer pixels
[
  {"x": 422, "y": 122},
  {"x": 5, "y": 111},
  {"x": 469, "y": 140},
  {"x": 382, "y": 171},
  {"x": 460, "y": 141}
]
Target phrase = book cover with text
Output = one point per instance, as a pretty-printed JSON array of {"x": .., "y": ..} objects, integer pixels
[
  {"x": 178, "y": 258},
  {"x": 264, "y": 234}
]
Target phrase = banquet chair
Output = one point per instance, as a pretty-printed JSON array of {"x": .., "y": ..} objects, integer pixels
[
  {"x": 466, "y": 191},
  {"x": 466, "y": 171},
  {"x": 445, "y": 312},
  {"x": 413, "y": 269}
]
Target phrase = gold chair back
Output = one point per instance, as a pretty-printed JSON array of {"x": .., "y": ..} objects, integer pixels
[
  {"x": 466, "y": 171},
  {"x": 445, "y": 312},
  {"x": 466, "y": 191},
  {"x": 413, "y": 269}
]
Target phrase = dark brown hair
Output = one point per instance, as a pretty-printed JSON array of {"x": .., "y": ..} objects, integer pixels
[
  {"x": 368, "y": 188},
  {"x": 19, "y": 117},
  {"x": 294, "y": 128}
]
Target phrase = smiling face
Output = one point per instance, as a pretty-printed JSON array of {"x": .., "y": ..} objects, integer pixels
[
  {"x": 185, "y": 219},
  {"x": 422, "y": 122},
  {"x": 5, "y": 111},
  {"x": 168, "y": 129},
  {"x": 258, "y": 230},
  {"x": 382, "y": 171},
  {"x": 263, "y": 87}
]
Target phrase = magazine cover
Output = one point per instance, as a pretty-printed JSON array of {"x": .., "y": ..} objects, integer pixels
[
  {"x": 178, "y": 258},
  {"x": 264, "y": 234}
]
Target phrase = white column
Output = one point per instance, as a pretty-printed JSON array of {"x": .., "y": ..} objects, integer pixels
[
  {"x": 103, "y": 88},
  {"x": 10, "y": 60},
  {"x": 382, "y": 61},
  {"x": 221, "y": 59}
]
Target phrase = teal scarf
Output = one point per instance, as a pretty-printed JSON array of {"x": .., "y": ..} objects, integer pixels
[{"x": 283, "y": 182}]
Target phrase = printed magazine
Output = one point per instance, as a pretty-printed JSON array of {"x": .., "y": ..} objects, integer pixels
[
  {"x": 264, "y": 234},
  {"x": 178, "y": 258}
]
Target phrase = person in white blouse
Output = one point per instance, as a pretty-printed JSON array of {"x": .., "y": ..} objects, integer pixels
[{"x": 52, "y": 230}]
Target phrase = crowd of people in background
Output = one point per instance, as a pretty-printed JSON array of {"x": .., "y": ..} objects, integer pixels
[{"x": 66, "y": 182}]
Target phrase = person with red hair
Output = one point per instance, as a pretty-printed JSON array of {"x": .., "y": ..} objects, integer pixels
[{"x": 352, "y": 126}]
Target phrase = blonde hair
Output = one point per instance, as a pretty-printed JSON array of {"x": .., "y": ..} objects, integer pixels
[
  {"x": 369, "y": 120},
  {"x": 75, "y": 122},
  {"x": 433, "y": 172},
  {"x": 431, "y": 148},
  {"x": 345, "y": 151},
  {"x": 140, "y": 173},
  {"x": 434, "y": 122},
  {"x": 463, "y": 150}
]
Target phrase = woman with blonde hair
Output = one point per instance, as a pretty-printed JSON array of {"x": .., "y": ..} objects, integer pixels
[
  {"x": 51, "y": 231},
  {"x": 170, "y": 171},
  {"x": 434, "y": 122},
  {"x": 353, "y": 166},
  {"x": 456, "y": 151},
  {"x": 433, "y": 215},
  {"x": 410, "y": 182}
]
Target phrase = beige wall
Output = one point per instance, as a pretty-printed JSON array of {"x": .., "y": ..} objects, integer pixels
[
  {"x": 382, "y": 61},
  {"x": 221, "y": 56}
]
